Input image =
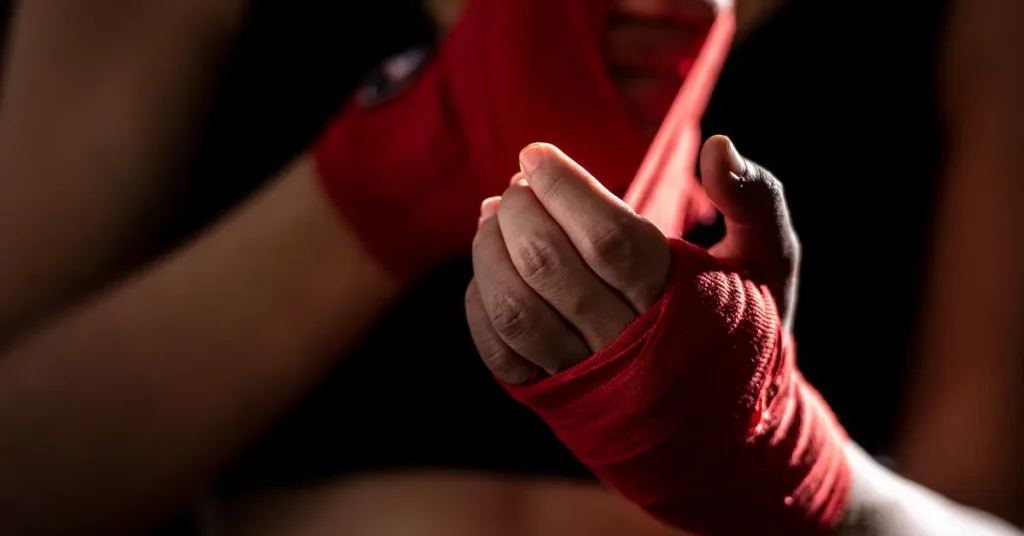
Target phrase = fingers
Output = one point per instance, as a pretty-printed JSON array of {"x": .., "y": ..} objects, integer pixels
[
  {"x": 748, "y": 196},
  {"x": 751, "y": 201},
  {"x": 548, "y": 262},
  {"x": 517, "y": 314},
  {"x": 758, "y": 231},
  {"x": 625, "y": 251},
  {"x": 562, "y": 268},
  {"x": 508, "y": 366}
]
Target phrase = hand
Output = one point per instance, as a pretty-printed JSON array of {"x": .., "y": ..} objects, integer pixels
[{"x": 562, "y": 266}]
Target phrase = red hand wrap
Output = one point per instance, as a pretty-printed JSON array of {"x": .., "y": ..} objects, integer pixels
[
  {"x": 409, "y": 174},
  {"x": 698, "y": 413}
]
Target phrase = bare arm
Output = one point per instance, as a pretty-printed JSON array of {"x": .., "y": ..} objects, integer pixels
[
  {"x": 884, "y": 504},
  {"x": 97, "y": 108},
  {"x": 964, "y": 432},
  {"x": 117, "y": 410}
]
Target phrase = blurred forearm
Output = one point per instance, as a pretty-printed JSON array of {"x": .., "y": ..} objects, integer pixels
[
  {"x": 99, "y": 104},
  {"x": 113, "y": 414},
  {"x": 964, "y": 431}
]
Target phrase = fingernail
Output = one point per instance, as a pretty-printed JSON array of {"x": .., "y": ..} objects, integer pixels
[
  {"x": 530, "y": 157},
  {"x": 517, "y": 178},
  {"x": 489, "y": 208},
  {"x": 737, "y": 164}
]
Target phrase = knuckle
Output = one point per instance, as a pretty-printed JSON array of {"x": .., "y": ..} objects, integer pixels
[
  {"x": 754, "y": 172},
  {"x": 552, "y": 184},
  {"x": 537, "y": 260},
  {"x": 607, "y": 245},
  {"x": 775, "y": 188},
  {"x": 509, "y": 315},
  {"x": 763, "y": 178}
]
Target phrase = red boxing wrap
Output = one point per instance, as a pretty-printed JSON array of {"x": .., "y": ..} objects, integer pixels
[
  {"x": 698, "y": 414},
  {"x": 409, "y": 174},
  {"x": 664, "y": 189}
]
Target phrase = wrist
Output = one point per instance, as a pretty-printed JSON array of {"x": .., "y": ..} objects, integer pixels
[
  {"x": 698, "y": 412},
  {"x": 884, "y": 504},
  {"x": 866, "y": 510}
]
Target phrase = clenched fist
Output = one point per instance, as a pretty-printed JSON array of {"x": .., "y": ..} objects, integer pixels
[
  {"x": 670, "y": 370},
  {"x": 563, "y": 267}
]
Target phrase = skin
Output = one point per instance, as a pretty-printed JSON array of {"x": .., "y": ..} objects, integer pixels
[
  {"x": 258, "y": 255},
  {"x": 442, "y": 504},
  {"x": 152, "y": 386},
  {"x": 86, "y": 171},
  {"x": 969, "y": 396}
]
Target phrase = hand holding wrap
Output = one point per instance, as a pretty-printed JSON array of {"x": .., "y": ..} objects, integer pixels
[
  {"x": 696, "y": 410},
  {"x": 698, "y": 414}
]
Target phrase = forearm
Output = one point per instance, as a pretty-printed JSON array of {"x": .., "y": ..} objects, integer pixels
[
  {"x": 968, "y": 398},
  {"x": 117, "y": 410},
  {"x": 98, "y": 110},
  {"x": 884, "y": 504}
]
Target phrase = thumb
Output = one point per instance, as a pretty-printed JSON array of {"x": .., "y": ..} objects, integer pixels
[{"x": 759, "y": 234}]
